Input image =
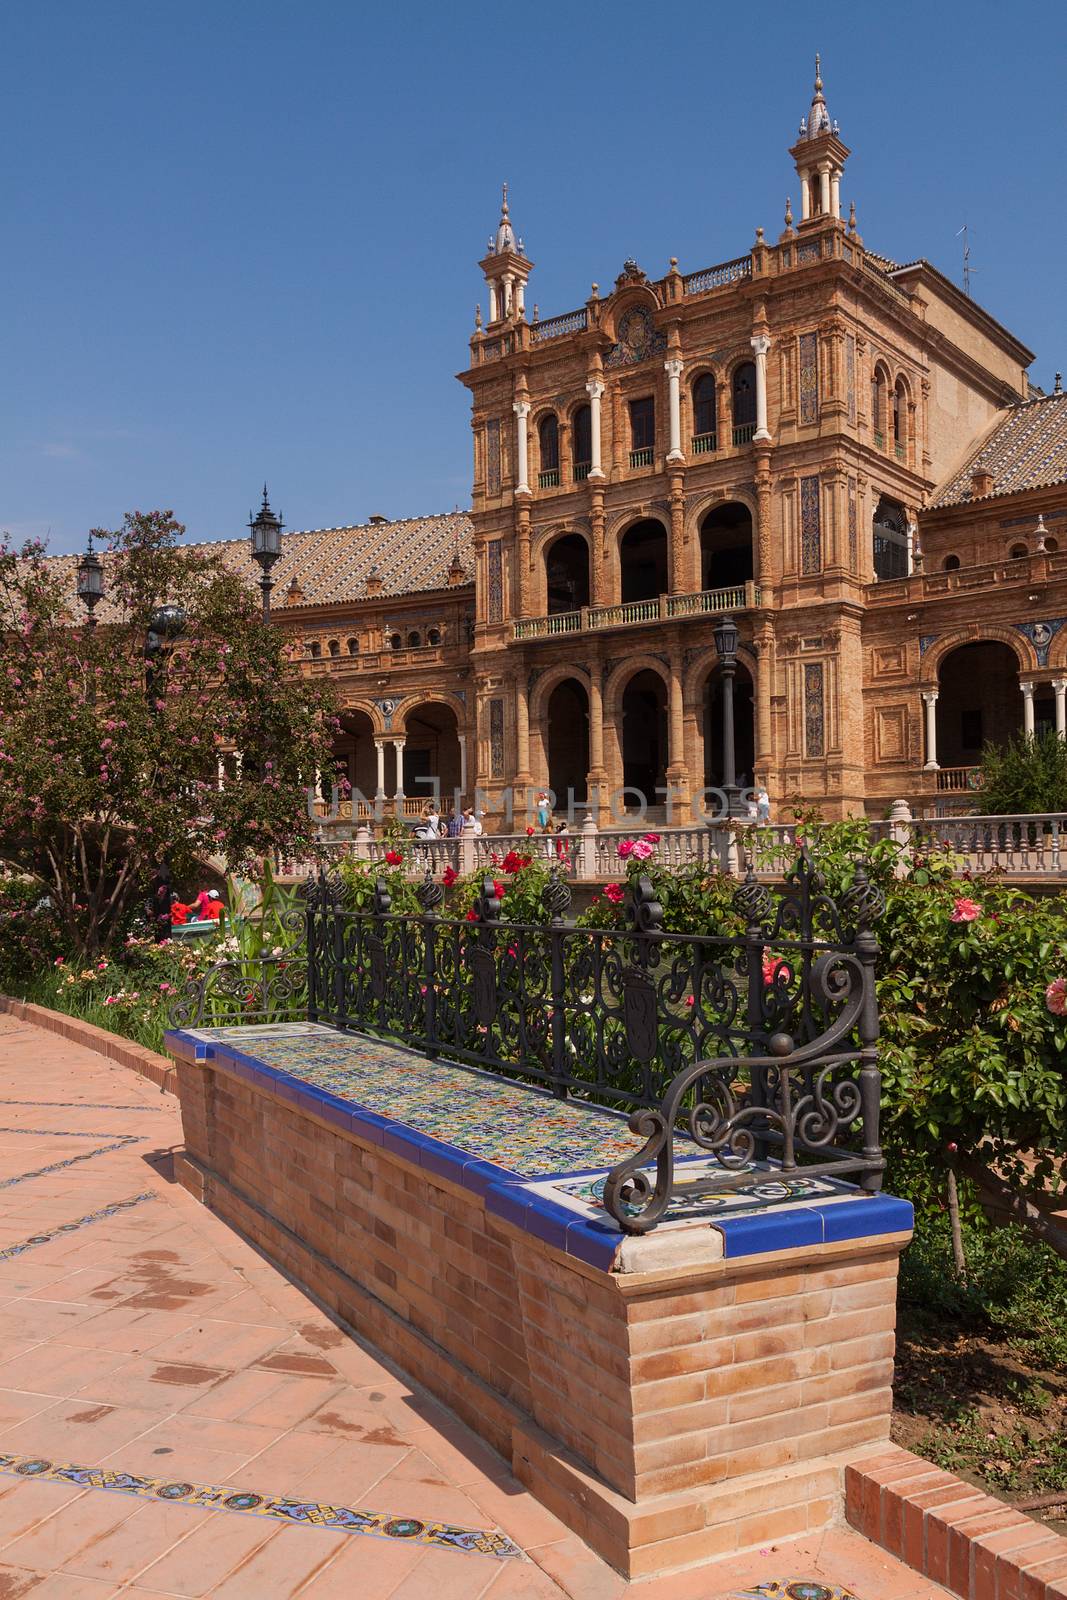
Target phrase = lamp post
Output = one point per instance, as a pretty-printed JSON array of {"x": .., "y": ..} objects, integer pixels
[
  {"x": 90, "y": 581},
  {"x": 266, "y": 531},
  {"x": 726, "y": 638},
  {"x": 164, "y": 627}
]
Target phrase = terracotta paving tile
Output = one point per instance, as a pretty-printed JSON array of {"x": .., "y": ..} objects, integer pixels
[
  {"x": 452, "y": 1575},
  {"x": 50, "y": 1545},
  {"x": 572, "y": 1565},
  {"x": 221, "y": 1343},
  {"x": 17, "y": 1405},
  {"x": 232, "y": 1396},
  {"x": 291, "y": 1401},
  {"x": 281, "y": 1567},
  {"x": 211, "y": 1552},
  {"x": 155, "y": 1384},
  {"x": 352, "y": 1473},
  {"x": 415, "y": 1488},
  {"x": 60, "y": 1586},
  {"x": 369, "y": 1569},
  {"x": 25, "y": 1504},
  {"x": 57, "y": 1369},
  {"x": 78, "y": 1429},
  {"x": 289, "y": 1458},
  {"x": 137, "y": 1541}
]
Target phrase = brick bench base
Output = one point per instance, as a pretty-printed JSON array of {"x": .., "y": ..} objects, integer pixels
[{"x": 672, "y": 1404}]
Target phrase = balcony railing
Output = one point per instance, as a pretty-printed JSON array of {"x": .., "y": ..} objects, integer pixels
[
  {"x": 548, "y": 627},
  {"x": 898, "y": 451},
  {"x": 582, "y": 470},
  {"x": 641, "y": 458},
  {"x": 635, "y": 613},
  {"x": 957, "y": 780},
  {"x": 744, "y": 432},
  {"x": 549, "y": 479},
  {"x": 705, "y": 443},
  {"x": 879, "y": 440},
  {"x": 558, "y": 327},
  {"x": 715, "y": 277}
]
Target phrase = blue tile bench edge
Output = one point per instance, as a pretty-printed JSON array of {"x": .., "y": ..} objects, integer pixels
[{"x": 509, "y": 1195}]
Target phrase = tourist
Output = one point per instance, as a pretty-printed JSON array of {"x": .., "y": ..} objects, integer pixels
[
  {"x": 544, "y": 810},
  {"x": 212, "y": 909},
  {"x": 179, "y": 912},
  {"x": 763, "y": 805},
  {"x": 159, "y": 904},
  {"x": 455, "y": 822},
  {"x": 473, "y": 820}
]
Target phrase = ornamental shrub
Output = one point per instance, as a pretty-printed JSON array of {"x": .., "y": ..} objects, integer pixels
[{"x": 1029, "y": 774}]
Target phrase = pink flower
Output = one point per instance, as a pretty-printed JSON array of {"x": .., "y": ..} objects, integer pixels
[
  {"x": 1056, "y": 997},
  {"x": 770, "y": 967},
  {"x": 642, "y": 850},
  {"x": 690, "y": 1000},
  {"x": 651, "y": 838},
  {"x": 615, "y": 893},
  {"x": 58, "y": 962},
  {"x": 965, "y": 911},
  {"x": 625, "y": 848}
]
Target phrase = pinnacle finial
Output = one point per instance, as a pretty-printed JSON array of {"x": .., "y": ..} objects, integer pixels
[
  {"x": 818, "y": 74},
  {"x": 789, "y": 211},
  {"x": 504, "y": 202},
  {"x": 852, "y": 216}
]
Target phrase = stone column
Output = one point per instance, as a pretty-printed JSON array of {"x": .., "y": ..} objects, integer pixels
[
  {"x": 764, "y": 682},
  {"x": 594, "y": 389},
  {"x": 929, "y": 697},
  {"x": 760, "y": 345},
  {"x": 1059, "y": 689},
  {"x": 597, "y": 774},
  {"x": 677, "y": 770},
  {"x": 522, "y": 480},
  {"x": 835, "y": 192},
  {"x": 379, "y": 750},
  {"x": 673, "y": 369},
  {"x": 598, "y": 554},
  {"x": 462, "y": 737},
  {"x": 398, "y": 751},
  {"x": 1028, "y": 708},
  {"x": 824, "y": 188},
  {"x": 522, "y": 556},
  {"x": 805, "y": 197},
  {"x": 762, "y": 541}
]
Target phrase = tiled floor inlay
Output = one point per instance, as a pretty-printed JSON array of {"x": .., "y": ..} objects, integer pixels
[
  {"x": 120, "y": 1141},
  {"x": 796, "y": 1589},
  {"x": 36, "y": 1239},
  {"x": 300, "y": 1513},
  {"x": 81, "y": 1105},
  {"x": 510, "y": 1124}
]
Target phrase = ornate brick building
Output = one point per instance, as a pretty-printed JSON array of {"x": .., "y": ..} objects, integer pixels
[{"x": 843, "y": 453}]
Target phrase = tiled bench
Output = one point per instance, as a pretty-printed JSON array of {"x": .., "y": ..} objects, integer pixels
[{"x": 671, "y": 1397}]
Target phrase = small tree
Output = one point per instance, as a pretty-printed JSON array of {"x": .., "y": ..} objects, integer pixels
[
  {"x": 110, "y": 737},
  {"x": 1029, "y": 774}
]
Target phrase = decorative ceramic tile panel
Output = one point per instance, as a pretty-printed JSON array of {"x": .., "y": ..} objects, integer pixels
[
  {"x": 809, "y": 377},
  {"x": 712, "y": 1191},
  {"x": 853, "y": 528},
  {"x": 495, "y": 565},
  {"x": 796, "y": 1589},
  {"x": 513, "y": 1125},
  {"x": 496, "y": 738},
  {"x": 808, "y": 251},
  {"x": 1041, "y": 635},
  {"x": 298, "y": 1513},
  {"x": 71, "y": 1227},
  {"x": 492, "y": 456},
  {"x": 810, "y": 526},
  {"x": 814, "y": 709},
  {"x": 850, "y": 376},
  {"x": 638, "y": 339}
]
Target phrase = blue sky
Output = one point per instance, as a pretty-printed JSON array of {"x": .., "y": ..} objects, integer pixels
[{"x": 240, "y": 239}]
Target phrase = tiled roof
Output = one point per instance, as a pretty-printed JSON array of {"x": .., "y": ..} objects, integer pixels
[
  {"x": 332, "y": 565},
  {"x": 1027, "y": 449}
]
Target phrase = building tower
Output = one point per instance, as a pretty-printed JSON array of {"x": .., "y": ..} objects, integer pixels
[
  {"x": 820, "y": 159},
  {"x": 506, "y": 268}
]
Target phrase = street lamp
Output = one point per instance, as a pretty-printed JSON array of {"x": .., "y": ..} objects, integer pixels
[
  {"x": 266, "y": 530},
  {"x": 90, "y": 581},
  {"x": 726, "y": 640}
]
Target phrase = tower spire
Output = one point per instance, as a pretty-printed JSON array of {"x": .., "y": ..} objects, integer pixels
[{"x": 506, "y": 267}]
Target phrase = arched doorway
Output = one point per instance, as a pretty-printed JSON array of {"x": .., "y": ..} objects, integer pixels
[
  {"x": 978, "y": 701},
  {"x": 567, "y": 741},
  {"x": 567, "y": 574},
  {"x": 644, "y": 735},
  {"x": 726, "y": 547},
  {"x": 354, "y": 756},
  {"x": 432, "y": 761},
  {"x": 744, "y": 729},
  {"x": 643, "y": 561}
]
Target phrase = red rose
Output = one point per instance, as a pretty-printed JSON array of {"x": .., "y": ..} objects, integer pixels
[
  {"x": 499, "y": 889},
  {"x": 393, "y": 858},
  {"x": 448, "y": 877},
  {"x": 472, "y": 915}
]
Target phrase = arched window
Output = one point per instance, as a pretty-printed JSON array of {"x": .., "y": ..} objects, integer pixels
[
  {"x": 314, "y": 650},
  {"x": 1018, "y": 551},
  {"x": 583, "y": 443},
  {"x": 353, "y": 647},
  {"x": 395, "y": 641},
  {"x": 879, "y": 390},
  {"x": 434, "y": 636},
  {"x": 814, "y": 195},
  {"x": 705, "y": 422},
  {"x": 951, "y": 564},
  {"x": 334, "y": 647},
  {"x": 900, "y": 418},
  {"x": 744, "y": 398},
  {"x": 1051, "y": 545},
  {"x": 642, "y": 431},
  {"x": 414, "y": 640},
  {"x": 548, "y": 437}
]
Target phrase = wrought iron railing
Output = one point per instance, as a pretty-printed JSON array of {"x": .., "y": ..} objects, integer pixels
[
  {"x": 715, "y": 277},
  {"x": 758, "y": 1047}
]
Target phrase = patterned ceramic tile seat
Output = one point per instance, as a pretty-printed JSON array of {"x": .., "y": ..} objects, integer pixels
[{"x": 540, "y": 1162}]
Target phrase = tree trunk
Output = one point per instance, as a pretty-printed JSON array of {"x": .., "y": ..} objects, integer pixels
[{"x": 958, "y": 1256}]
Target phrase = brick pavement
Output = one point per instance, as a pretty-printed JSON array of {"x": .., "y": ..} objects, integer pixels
[{"x": 145, "y": 1342}]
